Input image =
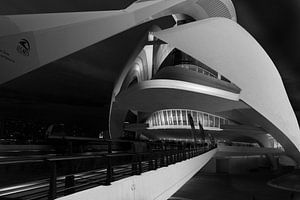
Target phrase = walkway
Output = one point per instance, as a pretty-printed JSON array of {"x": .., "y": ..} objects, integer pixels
[{"x": 230, "y": 187}]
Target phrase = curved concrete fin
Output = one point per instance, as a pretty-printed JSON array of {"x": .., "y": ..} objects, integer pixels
[
  {"x": 55, "y": 35},
  {"x": 226, "y": 47},
  {"x": 31, "y": 41}
]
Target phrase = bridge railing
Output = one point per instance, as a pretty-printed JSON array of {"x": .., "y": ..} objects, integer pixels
[{"x": 72, "y": 173}]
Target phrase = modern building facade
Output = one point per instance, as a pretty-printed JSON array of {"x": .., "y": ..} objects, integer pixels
[{"x": 144, "y": 70}]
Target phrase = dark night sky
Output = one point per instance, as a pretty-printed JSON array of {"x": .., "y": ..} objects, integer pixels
[{"x": 276, "y": 26}]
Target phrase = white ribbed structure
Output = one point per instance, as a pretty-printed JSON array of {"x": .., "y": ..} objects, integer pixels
[{"x": 178, "y": 119}]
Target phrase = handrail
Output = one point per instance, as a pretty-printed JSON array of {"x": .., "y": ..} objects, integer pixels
[{"x": 113, "y": 167}]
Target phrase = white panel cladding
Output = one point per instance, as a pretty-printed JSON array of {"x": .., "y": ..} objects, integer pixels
[
  {"x": 178, "y": 119},
  {"x": 226, "y": 47}
]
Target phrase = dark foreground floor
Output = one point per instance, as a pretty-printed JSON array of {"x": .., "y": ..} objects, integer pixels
[{"x": 230, "y": 187}]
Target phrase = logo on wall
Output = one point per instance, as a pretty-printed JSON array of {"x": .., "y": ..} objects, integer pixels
[{"x": 23, "y": 47}]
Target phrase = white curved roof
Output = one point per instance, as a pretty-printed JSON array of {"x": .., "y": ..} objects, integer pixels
[{"x": 226, "y": 47}]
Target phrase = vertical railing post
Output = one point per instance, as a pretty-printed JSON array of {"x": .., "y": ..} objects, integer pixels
[
  {"x": 134, "y": 165},
  {"x": 167, "y": 157},
  {"x": 109, "y": 147},
  {"x": 109, "y": 170},
  {"x": 140, "y": 163},
  {"x": 162, "y": 159},
  {"x": 156, "y": 161},
  {"x": 150, "y": 163},
  {"x": 52, "y": 184},
  {"x": 69, "y": 184},
  {"x": 172, "y": 157}
]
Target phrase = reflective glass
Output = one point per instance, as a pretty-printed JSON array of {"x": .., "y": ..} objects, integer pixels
[
  {"x": 174, "y": 117},
  {"x": 211, "y": 121},
  {"x": 179, "y": 116},
  {"x": 205, "y": 122},
  {"x": 170, "y": 117},
  {"x": 184, "y": 119},
  {"x": 159, "y": 119},
  {"x": 200, "y": 116},
  {"x": 153, "y": 118},
  {"x": 217, "y": 122},
  {"x": 221, "y": 121},
  {"x": 165, "y": 117},
  {"x": 188, "y": 113},
  {"x": 194, "y": 115}
]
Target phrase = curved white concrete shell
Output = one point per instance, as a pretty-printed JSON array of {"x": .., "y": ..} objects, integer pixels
[
  {"x": 226, "y": 47},
  {"x": 153, "y": 95},
  {"x": 75, "y": 31}
]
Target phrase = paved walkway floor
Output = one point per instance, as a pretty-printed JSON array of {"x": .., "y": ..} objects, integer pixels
[{"x": 252, "y": 186}]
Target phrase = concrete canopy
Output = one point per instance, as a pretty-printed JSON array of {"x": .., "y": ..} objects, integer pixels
[{"x": 226, "y": 47}]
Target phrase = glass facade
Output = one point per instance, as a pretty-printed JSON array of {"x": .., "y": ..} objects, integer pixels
[
  {"x": 196, "y": 68},
  {"x": 178, "y": 118}
]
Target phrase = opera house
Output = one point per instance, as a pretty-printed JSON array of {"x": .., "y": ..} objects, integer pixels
[{"x": 140, "y": 100}]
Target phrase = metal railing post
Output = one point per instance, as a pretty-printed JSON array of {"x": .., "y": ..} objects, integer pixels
[
  {"x": 52, "y": 184},
  {"x": 134, "y": 166},
  {"x": 109, "y": 171},
  {"x": 140, "y": 164},
  {"x": 109, "y": 147},
  {"x": 156, "y": 161},
  {"x": 69, "y": 184}
]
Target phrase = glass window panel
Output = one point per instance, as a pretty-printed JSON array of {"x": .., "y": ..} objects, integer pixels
[
  {"x": 159, "y": 119},
  {"x": 179, "y": 117},
  {"x": 188, "y": 113},
  {"x": 174, "y": 117},
  {"x": 205, "y": 120},
  {"x": 161, "y": 114},
  {"x": 193, "y": 68},
  {"x": 200, "y": 116},
  {"x": 221, "y": 121},
  {"x": 165, "y": 118},
  {"x": 170, "y": 121},
  {"x": 153, "y": 119},
  {"x": 211, "y": 121},
  {"x": 217, "y": 122},
  {"x": 184, "y": 119},
  {"x": 194, "y": 115}
]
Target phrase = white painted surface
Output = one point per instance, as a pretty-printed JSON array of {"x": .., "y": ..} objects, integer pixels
[
  {"x": 158, "y": 184},
  {"x": 226, "y": 47},
  {"x": 56, "y": 35},
  {"x": 173, "y": 94}
]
